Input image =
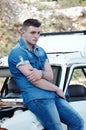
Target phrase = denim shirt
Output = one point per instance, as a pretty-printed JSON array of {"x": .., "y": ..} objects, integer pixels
[{"x": 21, "y": 54}]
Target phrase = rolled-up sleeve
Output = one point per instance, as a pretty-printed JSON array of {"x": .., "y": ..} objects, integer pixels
[{"x": 22, "y": 61}]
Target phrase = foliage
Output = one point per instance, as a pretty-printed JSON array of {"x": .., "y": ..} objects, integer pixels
[
  {"x": 69, "y": 3},
  {"x": 10, "y": 26},
  {"x": 77, "y": 74}
]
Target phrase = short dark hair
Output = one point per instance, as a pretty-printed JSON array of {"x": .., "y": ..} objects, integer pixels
[{"x": 31, "y": 22}]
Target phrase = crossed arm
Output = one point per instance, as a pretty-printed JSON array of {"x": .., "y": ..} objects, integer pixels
[{"x": 35, "y": 76}]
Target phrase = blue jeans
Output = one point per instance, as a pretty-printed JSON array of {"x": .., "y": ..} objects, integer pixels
[{"x": 51, "y": 112}]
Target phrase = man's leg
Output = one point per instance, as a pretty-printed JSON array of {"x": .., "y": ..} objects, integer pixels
[
  {"x": 68, "y": 115},
  {"x": 47, "y": 113}
]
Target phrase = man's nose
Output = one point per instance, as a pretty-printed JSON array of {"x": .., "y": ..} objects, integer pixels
[{"x": 37, "y": 35}]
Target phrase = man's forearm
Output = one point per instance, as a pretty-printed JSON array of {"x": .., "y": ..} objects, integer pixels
[
  {"x": 48, "y": 75},
  {"x": 46, "y": 85}
]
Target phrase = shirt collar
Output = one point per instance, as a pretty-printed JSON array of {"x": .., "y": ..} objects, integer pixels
[{"x": 24, "y": 45}]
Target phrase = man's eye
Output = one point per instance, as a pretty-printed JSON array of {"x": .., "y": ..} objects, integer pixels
[
  {"x": 33, "y": 32},
  {"x": 39, "y": 33}
]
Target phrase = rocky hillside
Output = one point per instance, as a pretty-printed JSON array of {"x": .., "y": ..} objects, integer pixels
[{"x": 56, "y": 16}]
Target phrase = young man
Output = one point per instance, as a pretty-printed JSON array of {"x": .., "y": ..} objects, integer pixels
[{"x": 32, "y": 72}]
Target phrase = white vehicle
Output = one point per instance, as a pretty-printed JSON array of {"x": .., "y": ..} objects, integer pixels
[{"x": 67, "y": 56}]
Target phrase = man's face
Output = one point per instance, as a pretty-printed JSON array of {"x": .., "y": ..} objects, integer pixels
[{"x": 31, "y": 35}]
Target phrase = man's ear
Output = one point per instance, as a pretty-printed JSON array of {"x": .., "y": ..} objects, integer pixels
[{"x": 22, "y": 31}]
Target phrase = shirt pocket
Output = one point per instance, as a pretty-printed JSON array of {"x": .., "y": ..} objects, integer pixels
[
  {"x": 41, "y": 62},
  {"x": 35, "y": 63},
  {"x": 32, "y": 62}
]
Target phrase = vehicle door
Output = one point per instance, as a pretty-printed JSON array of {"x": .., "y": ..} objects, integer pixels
[{"x": 75, "y": 90}]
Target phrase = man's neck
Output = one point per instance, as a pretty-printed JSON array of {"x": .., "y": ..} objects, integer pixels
[{"x": 29, "y": 45}]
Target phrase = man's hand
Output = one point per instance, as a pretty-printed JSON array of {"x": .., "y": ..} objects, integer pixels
[
  {"x": 34, "y": 75},
  {"x": 60, "y": 93}
]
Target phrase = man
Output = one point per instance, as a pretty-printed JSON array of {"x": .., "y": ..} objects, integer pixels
[{"x": 30, "y": 68}]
